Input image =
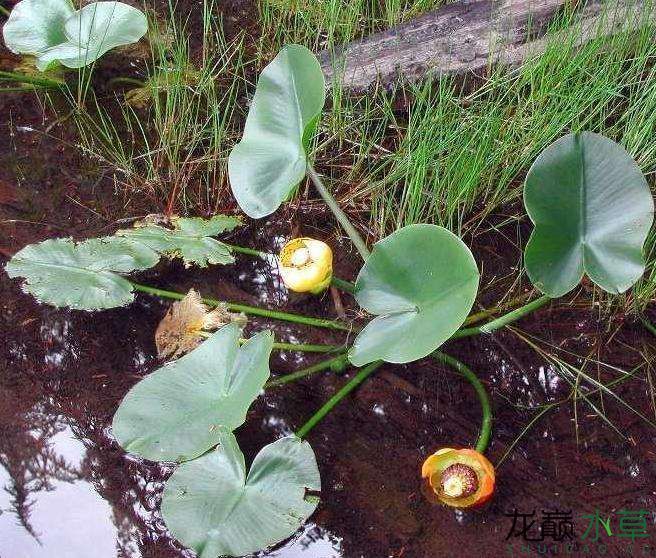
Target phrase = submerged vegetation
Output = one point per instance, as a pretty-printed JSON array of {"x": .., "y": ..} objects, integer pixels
[{"x": 430, "y": 163}]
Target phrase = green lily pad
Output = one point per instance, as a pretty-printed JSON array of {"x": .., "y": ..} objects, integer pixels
[
  {"x": 211, "y": 506},
  {"x": 271, "y": 159},
  {"x": 53, "y": 31},
  {"x": 190, "y": 239},
  {"x": 592, "y": 211},
  {"x": 81, "y": 276},
  {"x": 175, "y": 413},
  {"x": 421, "y": 283}
]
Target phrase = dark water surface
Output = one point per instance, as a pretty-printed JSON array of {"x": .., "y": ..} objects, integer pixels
[{"x": 68, "y": 491}]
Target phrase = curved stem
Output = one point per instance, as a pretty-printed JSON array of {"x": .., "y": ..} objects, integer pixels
[
  {"x": 127, "y": 81},
  {"x": 251, "y": 310},
  {"x": 353, "y": 383},
  {"x": 502, "y": 320},
  {"x": 320, "y": 366},
  {"x": 486, "y": 422},
  {"x": 341, "y": 217}
]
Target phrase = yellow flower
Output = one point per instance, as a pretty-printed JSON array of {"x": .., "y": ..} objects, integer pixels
[
  {"x": 459, "y": 478},
  {"x": 306, "y": 265}
]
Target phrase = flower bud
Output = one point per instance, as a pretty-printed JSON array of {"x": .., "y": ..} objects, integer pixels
[{"x": 306, "y": 265}]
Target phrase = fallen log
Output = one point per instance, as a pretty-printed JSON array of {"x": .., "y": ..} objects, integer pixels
[{"x": 468, "y": 36}]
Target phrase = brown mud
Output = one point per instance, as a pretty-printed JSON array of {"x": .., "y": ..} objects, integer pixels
[{"x": 68, "y": 491}]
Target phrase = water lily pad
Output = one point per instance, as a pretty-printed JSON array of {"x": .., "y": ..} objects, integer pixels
[
  {"x": 213, "y": 507},
  {"x": 421, "y": 283},
  {"x": 190, "y": 239},
  {"x": 82, "y": 276},
  {"x": 592, "y": 211},
  {"x": 53, "y": 31},
  {"x": 271, "y": 159},
  {"x": 176, "y": 412}
]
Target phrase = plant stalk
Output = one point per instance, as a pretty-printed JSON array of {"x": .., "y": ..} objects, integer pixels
[
  {"x": 33, "y": 80},
  {"x": 337, "y": 361},
  {"x": 341, "y": 217},
  {"x": 651, "y": 328},
  {"x": 251, "y": 310},
  {"x": 300, "y": 347},
  {"x": 479, "y": 388},
  {"x": 353, "y": 383},
  {"x": 504, "y": 320}
]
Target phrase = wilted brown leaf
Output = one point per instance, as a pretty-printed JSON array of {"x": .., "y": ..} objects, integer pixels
[{"x": 180, "y": 331}]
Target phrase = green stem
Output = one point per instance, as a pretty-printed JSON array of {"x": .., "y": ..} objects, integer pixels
[
  {"x": 38, "y": 81},
  {"x": 341, "y": 217},
  {"x": 486, "y": 422},
  {"x": 251, "y": 310},
  {"x": 353, "y": 383},
  {"x": 343, "y": 285},
  {"x": 300, "y": 347},
  {"x": 649, "y": 326},
  {"x": 504, "y": 320},
  {"x": 337, "y": 361},
  {"x": 126, "y": 80},
  {"x": 249, "y": 251},
  {"x": 4, "y": 11}
]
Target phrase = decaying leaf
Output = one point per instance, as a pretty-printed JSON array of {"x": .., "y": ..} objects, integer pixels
[{"x": 180, "y": 331}]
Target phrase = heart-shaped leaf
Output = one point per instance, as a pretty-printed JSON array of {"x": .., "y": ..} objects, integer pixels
[
  {"x": 176, "y": 412},
  {"x": 271, "y": 158},
  {"x": 592, "y": 211},
  {"x": 210, "y": 505},
  {"x": 81, "y": 276},
  {"x": 421, "y": 282},
  {"x": 190, "y": 239},
  {"x": 53, "y": 31}
]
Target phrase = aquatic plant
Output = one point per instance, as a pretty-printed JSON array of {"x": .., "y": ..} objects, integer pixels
[
  {"x": 54, "y": 32},
  {"x": 591, "y": 208}
]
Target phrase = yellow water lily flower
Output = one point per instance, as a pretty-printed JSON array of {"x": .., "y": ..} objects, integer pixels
[
  {"x": 306, "y": 265},
  {"x": 460, "y": 478}
]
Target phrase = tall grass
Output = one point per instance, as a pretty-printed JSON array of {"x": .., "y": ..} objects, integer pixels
[
  {"x": 321, "y": 24},
  {"x": 170, "y": 137}
]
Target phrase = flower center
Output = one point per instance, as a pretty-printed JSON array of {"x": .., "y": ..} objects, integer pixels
[
  {"x": 300, "y": 257},
  {"x": 459, "y": 481}
]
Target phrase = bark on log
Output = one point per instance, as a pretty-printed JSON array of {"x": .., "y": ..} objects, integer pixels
[{"x": 467, "y": 36}]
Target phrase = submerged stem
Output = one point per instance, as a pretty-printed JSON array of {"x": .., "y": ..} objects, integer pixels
[
  {"x": 251, "y": 310},
  {"x": 341, "y": 217},
  {"x": 337, "y": 361},
  {"x": 504, "y": 320},
  {"x": 353, "y": 383},
  {"x": 486, "y": 422}
]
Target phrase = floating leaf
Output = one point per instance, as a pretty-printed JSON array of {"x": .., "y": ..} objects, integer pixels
[
  {"x": 174, "y": 413},
  {"x": 81, "y": 276},
  {"x": 271, "y": 159},
  {"x": 592, "y": 211},
  {"x": 53, "y": 31},
  {"x": 190, "y": 238},
  {"x": 421, "y": 282},
  {"x": 210, "y": 505},
  {"x": 181, "y": 329}
]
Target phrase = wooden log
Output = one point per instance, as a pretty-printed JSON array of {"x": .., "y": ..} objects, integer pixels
[{"x": 467, "y": 36}]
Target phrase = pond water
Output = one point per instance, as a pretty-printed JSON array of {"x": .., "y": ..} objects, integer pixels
[{"x": 68, "y": 491}]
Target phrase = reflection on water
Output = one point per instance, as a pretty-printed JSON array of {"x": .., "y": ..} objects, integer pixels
[{"x": 60, "y": 513}]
